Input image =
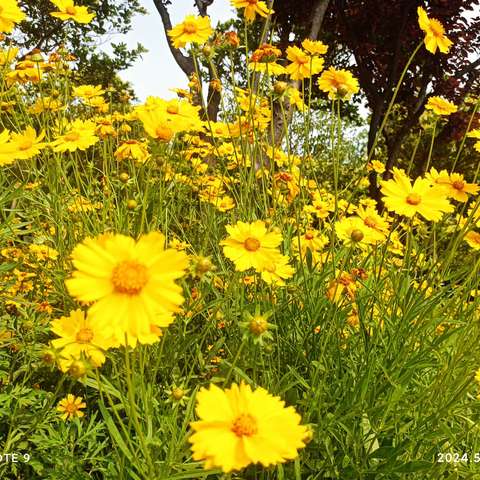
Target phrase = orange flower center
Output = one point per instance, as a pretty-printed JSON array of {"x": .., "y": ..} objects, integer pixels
[
  {"x": 414, "y": 199},
  {"x": 244, "y": 425},
  {"x": 357, "y": 235},
  {"x": 302, "y": 60},
  {"x": 164, "y": 133},
  {"x": 252, "y": 2},
  {"x": 129, "y": 277},
  {"x": 251, "y": 244},
  {"x": 258, "y": 325},
  {"x": 71, "y": 10},
  {"x": 369, "y": 222},
  {"x": 72, "y": 137},
  {"x": 309, "y": 236},
  {"x": 25, "y": 145},
  {"x": 436, "y": 28},
  {"x": 458, "y": 185},
  {"x": 71, "y": 408},
  {"x": 172, "y": 109},
  {"x": 84, "y": 335},
  {"x": 189, "y": 27}
]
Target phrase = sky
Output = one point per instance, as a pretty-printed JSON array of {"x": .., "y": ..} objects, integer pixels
[{"x": 157, "y": 71}]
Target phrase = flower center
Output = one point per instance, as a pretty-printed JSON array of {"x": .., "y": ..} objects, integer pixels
[
  {"x": 71, "y": 10},
  {"x": 357, "y": 235},
  {"x": 251, "y": 244},
  {"x": 164, "y": 133},
  {"x": 244, "y": 425},
  {"x": 252, "y": 2},
  {"x": 71, "y": 408},
  {"x": 72, "y": 136},
  {"x": 309, "y": 236},
  {"x": 436, "y": 28},
  {"x": 172, "y": 109},
  {"x": 129, "y": 277},
  {"x": 84, "y": 335},
  {"x": 25, "y": 145},
  {"x": 458, "y": 185},
  {"x": 258, "y": 325},
  {"x": 414, "y": 199},
  {"x": 189, "y": 27}
]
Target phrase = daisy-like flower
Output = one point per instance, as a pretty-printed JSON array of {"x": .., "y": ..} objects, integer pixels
[
  {"x": 401, "y": 197},
  {"x": 252, "y": 8},
  {"x": 353, "y": 232},
  {"x": 88, "y": 91},
  {"x": 27, "y": 144},
  {"x": 314, "y": 47},
  {"x": 132, "y": 149},
  {"x": 440, "y": 106},
  {"x": 473, "y": 239},
  {"x": 277, "y": 272},
  {"x": 80, "y": 335},
  {"x": 250, "y": 245},
  {"x": 459, "y": 189},
  {"x": 239, "y": 427},
  {"x": 71, "y": 407},
  {"x": 377, "y": 225},
  {"x": 132, "y": 283},
  {"x": 302, "y": 64},
  {"x": 79, "y": 135},
  {"x": 69, "y": 11},
  {"x": 10, "y": 14},
  {"x": 7, "y": 149},
  {"x": 434, "y": 33},
  {"x": 192, "y": 30},
  {"x": 339, "y": 84},
  {"x": 376, "y": 166},
  {"x": 475, "y": 134}
]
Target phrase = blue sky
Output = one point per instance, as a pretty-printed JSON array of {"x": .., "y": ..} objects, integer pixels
[{"x": 157, "y": 72}]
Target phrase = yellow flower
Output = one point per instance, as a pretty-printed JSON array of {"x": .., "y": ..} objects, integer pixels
[
  {"x": 303, "y": 65},
  {"x": 80, "y": 335},
  {"x": 132, "y": 149},
  {"x": 250, "y": 245},
  {"x": 71, "y": 406},
  {"x": 79, "y": 135},
  {"x": 473, "y": 239},
  {"x": 192, "y": 30},
  {"x": 353, "y": 231},
  {"x": 270, "y": 68},
  {"x": 475, "y": 134},
  {"x": 7, "y": 149},
  {"x": 238, "y": 427},
  {"x": 69, "y": 11},
  {"x": 132, "y": 283},
  {"x": 440, "y": 106},
  {"x": 338, "y": 84},
  {"x": 27, "y": 144},
  {"x": 88, "y": 91},
  {"x": 162, "y": 119},
  {"x": 406, "y": 199},
  {"x": 10, "y": 14},
  {"x": 314, "y": 47},
  {"x": 277, "y": 272},
  {"x": 377, "y": 224},
  {"x": 434, "y": 33},
  {"x": 252, "y": 8},
  {"x": 376, "y": 166}
]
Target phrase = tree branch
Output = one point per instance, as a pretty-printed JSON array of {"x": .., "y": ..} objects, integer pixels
[
  {"x": 318, "y": 16},
  {"x": 184, "y": 62},
  {"x": 202, "y": 6}
]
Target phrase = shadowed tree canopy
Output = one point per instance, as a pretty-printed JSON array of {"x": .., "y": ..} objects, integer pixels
[
  {"x": 381, "y": 36},
  {"x": 112, "y": 17}
]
